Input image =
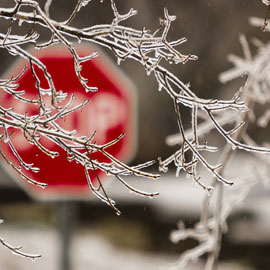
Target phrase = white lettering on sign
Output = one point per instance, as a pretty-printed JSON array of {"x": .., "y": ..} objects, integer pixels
[{"x": 104, "y": 111}]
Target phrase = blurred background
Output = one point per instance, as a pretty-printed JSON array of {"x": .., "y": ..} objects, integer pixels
[{"x": 139, "y": 238}]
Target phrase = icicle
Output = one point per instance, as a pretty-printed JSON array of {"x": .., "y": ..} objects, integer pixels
[
  {"x": 178, "y": 169},
  {"x": 119, "y": 61}
]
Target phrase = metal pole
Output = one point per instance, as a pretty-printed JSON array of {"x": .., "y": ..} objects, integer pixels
[{"x": 66, "y": 216}]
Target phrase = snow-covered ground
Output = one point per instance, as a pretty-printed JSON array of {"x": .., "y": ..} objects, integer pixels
[{"x": 89, "y": 252}]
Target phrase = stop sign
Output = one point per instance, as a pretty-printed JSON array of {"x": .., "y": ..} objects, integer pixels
[{"x": 109, "y": 113}]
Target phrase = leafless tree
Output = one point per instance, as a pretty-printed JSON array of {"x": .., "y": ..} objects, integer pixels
[
  {"x": 151, "y": 49},
  {"x": 255, "y": 90}
]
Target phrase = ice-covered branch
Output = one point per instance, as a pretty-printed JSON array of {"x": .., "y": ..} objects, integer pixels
[
  {"x": 18, "y": 250},
  {"x": 208, "y": 231}
]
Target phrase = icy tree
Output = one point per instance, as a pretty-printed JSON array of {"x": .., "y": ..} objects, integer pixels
[
  {"x": 255, "y": 91},
  {"x": 151, "y": 49}
]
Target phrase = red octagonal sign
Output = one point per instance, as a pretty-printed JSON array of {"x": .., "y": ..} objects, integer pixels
[{"x": 110, "y": 112}]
